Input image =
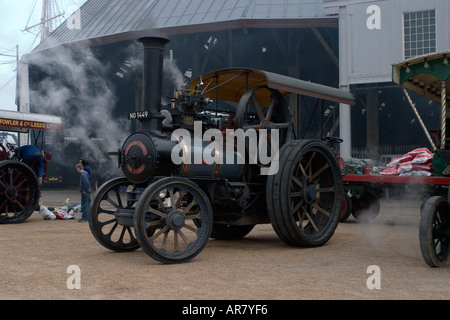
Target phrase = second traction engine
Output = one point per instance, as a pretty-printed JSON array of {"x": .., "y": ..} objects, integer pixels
[{"x": 187, "y": 178}]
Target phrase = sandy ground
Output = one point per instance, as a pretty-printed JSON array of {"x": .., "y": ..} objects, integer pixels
[{"x": 36, "y": 255}]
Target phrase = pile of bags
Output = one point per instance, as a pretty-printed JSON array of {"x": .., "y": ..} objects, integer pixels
[
  {"x": 66, "y": 212},
  {"x": 415, "y": 163}
]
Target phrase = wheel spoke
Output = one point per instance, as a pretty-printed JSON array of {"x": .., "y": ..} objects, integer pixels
[
  {"x": 189, "y": 207},
  {"x": 181, "y": 196},
  {"x": 296, "y": 194},
  {"x": 172, "y": 199},
  {"x": 160, "y": 203},
  {"x": 318, "y": 172},
  {"x": 122, "y": 235},
  {"x": 158, "y": 234},
  {"x": 258, "y": 108},
  {"x": 297, "y": 207},
  {"x": 327, "y": 189},
  {"x": 298, "y": 182},
  {"x": 282, "y": 125},
  {"x": 182, "y": 236},
  {"x": 18, "y": 203},
  {"x": 158, "y": 213},
  {"x": 119, "y": 198},
  {"x": 195, "y": 230},
  {"x": 310, "y": 219},
  {"x": 192, "y": 216},
  {"x": 105, "y": 223},
  {"x": 113, "y": 203},
  {"x": 151, "y": 224},
  {"x": 111, "y": 232},
  {"x": 164, "y": 242},
  {"x": 175, "y": 241},
  {"x": 271, "y": 107},
  {"x": 320, "y": 209},
  {"x": 308, "y": 166}
]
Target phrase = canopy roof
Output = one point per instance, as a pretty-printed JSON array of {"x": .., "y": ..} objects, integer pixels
[
  {"x": 14, "y": 121},
  {"x": 425, "y": 75},
  {"x": 106, "y": 21},
  {"x": 230, "y": 84}
]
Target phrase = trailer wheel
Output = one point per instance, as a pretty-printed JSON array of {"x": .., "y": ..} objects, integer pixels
[
  {"x": 434, "y": 232},
  {"x": 366, "y": 208},
  {"x": 230, "y": 232},
  {"x": 108, "y": 214},
  {"x": 346, "y": 208},
  {"x": 304, "y": 198},
  {"x": 19, "y": 192},
  {"x": 173, "y": 220}
]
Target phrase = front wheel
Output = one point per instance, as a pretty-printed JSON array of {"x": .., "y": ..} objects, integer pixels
[
  {"x": 108, "y": 215},
  {"x": 173, "y": 220},
  {"x": 434, "y": 233}
]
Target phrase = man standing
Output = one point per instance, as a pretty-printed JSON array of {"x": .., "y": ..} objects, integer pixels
[
  {"x": 32, "y": 156},
  {"x": 85, "y": 189}
]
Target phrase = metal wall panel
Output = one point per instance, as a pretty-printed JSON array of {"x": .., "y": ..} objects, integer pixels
[{"x": 370, "y": 53}]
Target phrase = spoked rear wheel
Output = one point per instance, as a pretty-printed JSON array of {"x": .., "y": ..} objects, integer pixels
[
  {"x": 111, "y": 216},
  {"x": 173, "y": 220},
  {"x": 304, "y": 198},
  {"x": 19, "y": 192},
  {"x": 434, "y": 231}
]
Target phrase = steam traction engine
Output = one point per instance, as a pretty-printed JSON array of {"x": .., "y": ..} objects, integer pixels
[{"x": 172, "y": 199}]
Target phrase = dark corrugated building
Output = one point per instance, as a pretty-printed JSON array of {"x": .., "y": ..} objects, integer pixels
[{"x": 88, "y": 70}]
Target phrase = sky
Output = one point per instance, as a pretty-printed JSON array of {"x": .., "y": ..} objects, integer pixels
[{"x": 15, "y": 16}]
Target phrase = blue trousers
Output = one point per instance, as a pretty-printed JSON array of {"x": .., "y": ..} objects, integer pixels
[{"x": 85, "y": 202}]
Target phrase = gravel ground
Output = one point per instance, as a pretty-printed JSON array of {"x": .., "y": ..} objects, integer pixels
[{"x": 36, "y": 256}]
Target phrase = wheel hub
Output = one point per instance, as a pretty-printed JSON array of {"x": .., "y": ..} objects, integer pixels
[
  {"x": 11, "y": 192},
  {"x": 310, "y": 193},
  {"x": 175, "y": 220},
  {"x": 269, "y": 125}
]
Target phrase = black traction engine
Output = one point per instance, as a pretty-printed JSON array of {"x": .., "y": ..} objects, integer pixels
[{"x": 192, "y": 172}]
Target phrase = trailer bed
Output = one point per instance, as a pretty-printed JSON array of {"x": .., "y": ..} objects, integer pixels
[{"x": 390, "y": 179}]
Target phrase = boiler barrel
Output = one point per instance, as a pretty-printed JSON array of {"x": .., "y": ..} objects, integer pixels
[
  {"x": 206, "y": 161},
  {"x": 145, "y": 155}
]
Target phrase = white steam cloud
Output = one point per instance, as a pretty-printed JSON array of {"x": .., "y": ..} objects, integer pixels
[{"x": 78, "y": 89}]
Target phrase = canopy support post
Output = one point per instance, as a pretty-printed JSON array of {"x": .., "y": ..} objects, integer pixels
[
  {"x": 413, "y": 106},
  {"x": 443, "y": 115}
]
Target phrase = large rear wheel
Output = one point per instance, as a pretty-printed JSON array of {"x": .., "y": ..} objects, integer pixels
[{"x": 304, "y": 198}]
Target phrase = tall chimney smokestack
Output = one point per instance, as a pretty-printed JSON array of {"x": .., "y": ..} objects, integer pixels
[{"x": 152, "y": 74}]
